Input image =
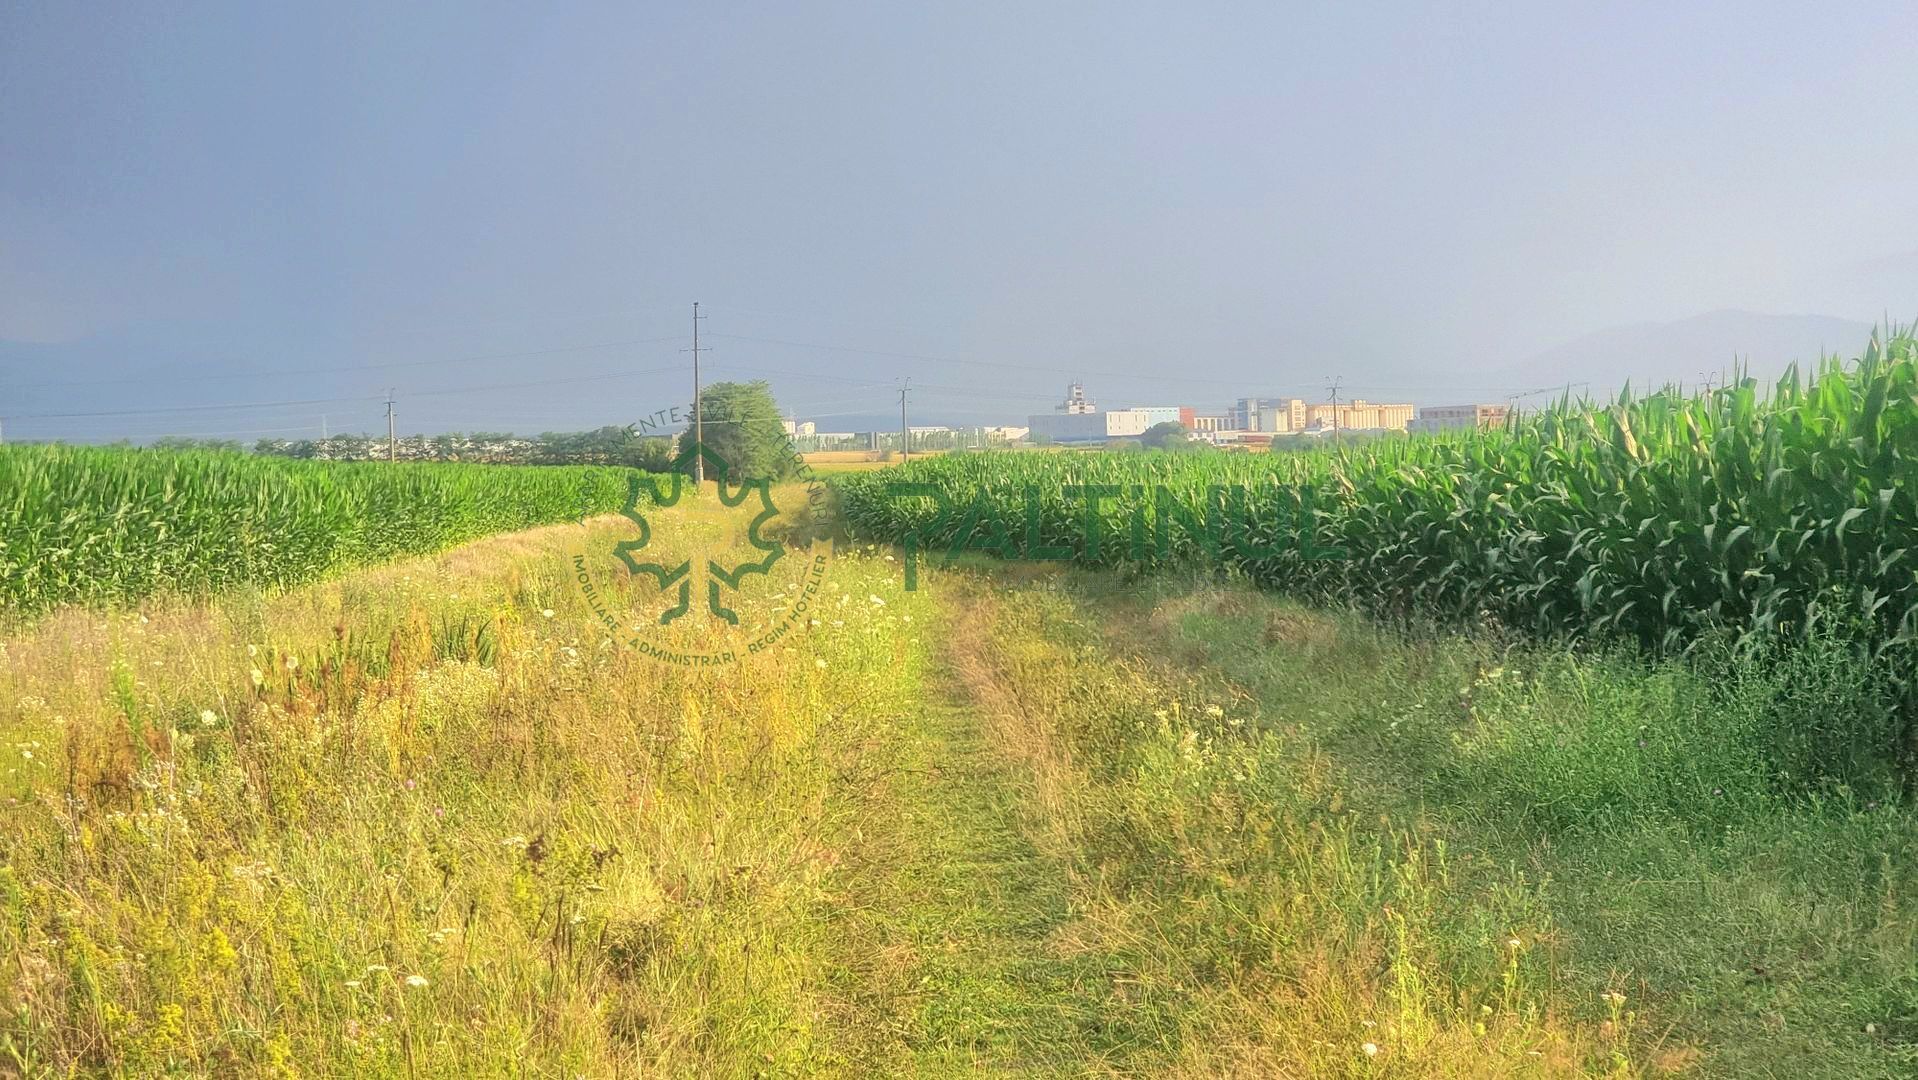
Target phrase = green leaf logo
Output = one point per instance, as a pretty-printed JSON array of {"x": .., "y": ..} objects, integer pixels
[{"x": 717, "y": 575}]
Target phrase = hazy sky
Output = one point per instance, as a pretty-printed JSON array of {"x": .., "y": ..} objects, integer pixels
[{"x": 252, "y": 203}]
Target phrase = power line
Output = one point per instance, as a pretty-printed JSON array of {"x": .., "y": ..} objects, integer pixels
[
  {"x": 540, "y": 382},
  {"x": 699, "y": 429},
  {"x": 334, "y": 401},
  {"x": 220, "y": 434},
  {"x": 1075, "y": 371},
  {"x": 192, "y": 408},
  {"x": 261, "y": 373},
  {"x": 972, "y": 390}
]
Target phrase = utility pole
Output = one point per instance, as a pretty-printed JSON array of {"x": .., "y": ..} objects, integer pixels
[
  {"x": 1334, "y": 389},
  {"x": 392, "y": 440},
  {"x": 699, "y": 420},
  {"x": 323, "y": 434},
  {"x": 905, "y": 433}
]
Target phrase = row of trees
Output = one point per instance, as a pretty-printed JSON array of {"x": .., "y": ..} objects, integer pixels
[
  {"x": 603, "y": 446},
  {"x": 742, "y": 425}
]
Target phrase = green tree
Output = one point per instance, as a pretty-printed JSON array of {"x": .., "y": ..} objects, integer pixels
[
  {"x": 742, "y": 425},
  {"x": 1164, "y": 436}
]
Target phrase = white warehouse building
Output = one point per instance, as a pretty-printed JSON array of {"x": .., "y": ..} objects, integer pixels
[{"x": 1097, "y": 426}]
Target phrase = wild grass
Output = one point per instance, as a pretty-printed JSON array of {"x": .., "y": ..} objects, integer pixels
[
  {"x": 1268, "y": 925},
  {"x": 429, "y": 819},
  {"x": 433, "y": 818},
  {"x": 1645, "y": 811}
]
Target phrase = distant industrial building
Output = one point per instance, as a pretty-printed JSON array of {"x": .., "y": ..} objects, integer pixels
[
  {"x": 1244, "y": 416},
  {"x": 1123, "y": 422},
  {"x": 1455, "y": 417},
  {"x": 1296, "y": 416},
  {"x": 1273, "y": 415},
  {"x": 1092, "y": 427},
  {"x": 1078, "y": 419}
]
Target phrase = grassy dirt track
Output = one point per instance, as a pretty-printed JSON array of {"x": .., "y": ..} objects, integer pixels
[{"x": 431, "y": 819}]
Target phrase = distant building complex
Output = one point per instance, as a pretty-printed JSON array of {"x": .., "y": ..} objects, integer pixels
[
  {"x": 1448, "y": 417},
  {"x": 1251, "y": 422},
  {"x": 1296, "y": 416},
  {"x": 1078, "y": 419}
]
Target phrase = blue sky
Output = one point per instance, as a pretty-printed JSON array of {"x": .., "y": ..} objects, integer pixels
[{"x": 235, "y": 204}]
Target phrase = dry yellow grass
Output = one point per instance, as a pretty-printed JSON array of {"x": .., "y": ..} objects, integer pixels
[{"x": 430, "y": 819}]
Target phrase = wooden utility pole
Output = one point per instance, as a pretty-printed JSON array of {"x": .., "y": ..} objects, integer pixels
[
  {"x": 392, "y": 439},
  {"x": 905, "y": 433},
  {"x": 699, "y": 425}
]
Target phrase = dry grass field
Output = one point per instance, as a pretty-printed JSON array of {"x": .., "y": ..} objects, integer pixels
[{"x": 432, "y": 819}]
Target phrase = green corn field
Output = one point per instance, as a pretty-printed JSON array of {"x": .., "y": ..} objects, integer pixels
[
  {"x": 1660, "y": 519},
  {"x": 96, "y": 525}
]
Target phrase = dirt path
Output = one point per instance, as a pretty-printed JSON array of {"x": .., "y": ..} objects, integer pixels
[{"x": 979, "y": 914}]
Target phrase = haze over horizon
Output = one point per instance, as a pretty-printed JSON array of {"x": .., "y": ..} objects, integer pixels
[{"x": 505, "y": 216}]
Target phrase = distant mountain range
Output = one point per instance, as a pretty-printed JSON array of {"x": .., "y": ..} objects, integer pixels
[{"x": 1649, "y": 355}]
